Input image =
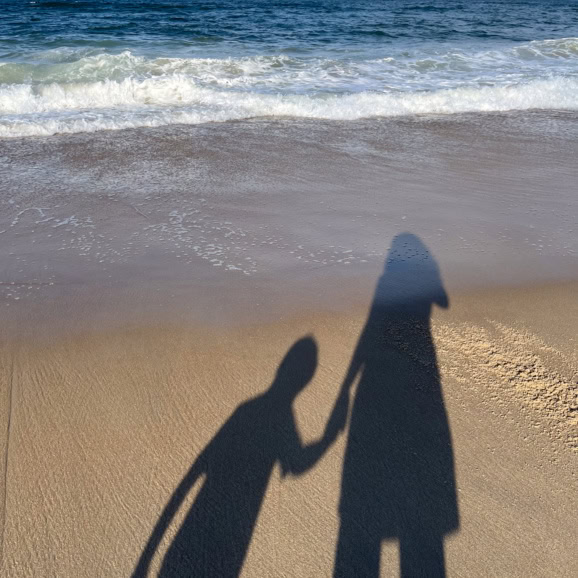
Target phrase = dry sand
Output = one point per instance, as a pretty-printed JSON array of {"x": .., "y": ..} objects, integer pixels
[{"x": 100, "y": 428}]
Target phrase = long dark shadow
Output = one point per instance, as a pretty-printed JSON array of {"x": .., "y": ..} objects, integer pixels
[
  {"x": 237, "y": 463},
  {"x": 398, "y": 473}
]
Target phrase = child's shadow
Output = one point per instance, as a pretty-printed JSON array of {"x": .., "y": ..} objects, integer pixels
[{"x": 237, "y": 463}]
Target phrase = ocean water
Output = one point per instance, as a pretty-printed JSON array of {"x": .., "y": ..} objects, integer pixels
[{"x": 88, "y": 65}]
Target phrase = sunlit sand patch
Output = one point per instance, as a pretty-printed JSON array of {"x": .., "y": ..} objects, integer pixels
[{"x": 518, "y": 363}]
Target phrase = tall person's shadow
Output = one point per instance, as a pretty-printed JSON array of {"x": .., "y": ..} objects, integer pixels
[
  {"x": 236, "y": 464},
  {"x": 398, "y": 473}
]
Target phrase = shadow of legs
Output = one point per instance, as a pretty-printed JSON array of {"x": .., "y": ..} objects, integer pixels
[
  {"x": 421, "y": 554},
  {"x": 357, "y": 553}
]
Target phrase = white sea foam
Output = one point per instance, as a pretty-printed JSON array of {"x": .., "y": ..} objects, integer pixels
[
  {"x": 157, "y": 102},
  {"x": 67, "y": 91}
]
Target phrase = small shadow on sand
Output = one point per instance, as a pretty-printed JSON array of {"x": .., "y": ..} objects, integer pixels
[{"x": 237, "y": 463}]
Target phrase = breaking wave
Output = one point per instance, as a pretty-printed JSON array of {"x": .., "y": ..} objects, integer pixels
[{"x": 66, "y": 90}]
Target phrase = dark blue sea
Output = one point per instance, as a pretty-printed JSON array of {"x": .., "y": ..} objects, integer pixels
[{"x": 74, "y": 66}]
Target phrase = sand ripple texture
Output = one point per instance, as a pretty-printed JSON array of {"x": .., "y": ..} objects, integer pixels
[{"x": 515, "y": 364}]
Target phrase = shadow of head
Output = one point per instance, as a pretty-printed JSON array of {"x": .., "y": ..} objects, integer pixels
[
  {"x": 411, "y": 276},
  {"x": 297, "y": 368}
]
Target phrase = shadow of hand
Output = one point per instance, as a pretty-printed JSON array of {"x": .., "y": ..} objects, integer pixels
[{"x": 338, "y": 419}]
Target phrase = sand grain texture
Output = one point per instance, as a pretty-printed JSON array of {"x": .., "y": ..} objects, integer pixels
[{"x": 104, "y": 426}]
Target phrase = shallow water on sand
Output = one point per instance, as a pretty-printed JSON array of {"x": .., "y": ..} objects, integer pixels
[{"x": 226, "y": 221}]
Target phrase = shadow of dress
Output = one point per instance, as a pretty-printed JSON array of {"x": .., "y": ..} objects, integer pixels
[{"x": 398, "y": 474}]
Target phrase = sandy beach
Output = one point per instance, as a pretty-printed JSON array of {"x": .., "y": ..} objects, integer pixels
[
  {"x": 104, "y": 426},
  {"x": 288, "y": 289},
  {"x": 182, "y": 306}
]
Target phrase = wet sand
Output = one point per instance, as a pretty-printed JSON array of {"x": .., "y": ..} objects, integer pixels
[
  {"x": 256, "y": 219},
  {"x": 153, "y": 282}
]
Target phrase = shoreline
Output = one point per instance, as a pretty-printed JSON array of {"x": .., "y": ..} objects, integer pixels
[
  {"x": 223, "y": 222},
  {"x": 42, "y": 321}
]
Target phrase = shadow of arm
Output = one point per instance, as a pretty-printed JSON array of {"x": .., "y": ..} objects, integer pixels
[
  {"x": 179, "y": 495},
  {"x": 301, "y": 458},
  {"x": 355, "y": 366}
]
